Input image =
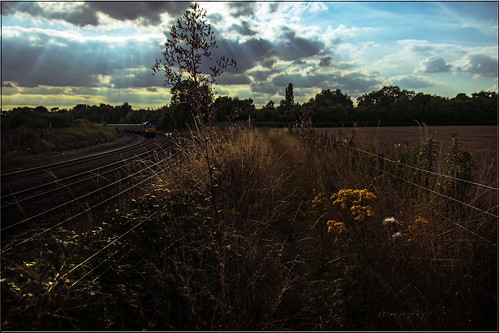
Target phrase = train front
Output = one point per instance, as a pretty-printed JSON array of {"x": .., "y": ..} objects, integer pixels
[{"x": 149, "y": 129}]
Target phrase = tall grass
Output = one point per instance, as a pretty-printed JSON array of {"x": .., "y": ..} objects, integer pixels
[{"x": 265, "y": 229}]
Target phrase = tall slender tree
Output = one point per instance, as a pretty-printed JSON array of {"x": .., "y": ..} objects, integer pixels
[
  {"x": 289, "y": 97},
  {"x": 186, "y": 52}
]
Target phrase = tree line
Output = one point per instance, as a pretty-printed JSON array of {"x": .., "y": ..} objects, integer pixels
[{"x": 389, "y": 106}]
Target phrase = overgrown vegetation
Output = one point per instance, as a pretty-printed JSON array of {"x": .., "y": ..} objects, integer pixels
[
  {"x": 308, "y": 233},
  {"x": 81, "y": 133}
]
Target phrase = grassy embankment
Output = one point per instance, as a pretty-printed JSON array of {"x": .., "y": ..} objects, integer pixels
[
  {"x": 274, "y": 230},
  {"x": 23, "y": 145}
]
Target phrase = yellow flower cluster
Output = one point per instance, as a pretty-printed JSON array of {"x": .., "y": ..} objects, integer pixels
[
  {"x": 337, "y": 228},
  {"x": 320, "y": 201},
  {"x": 355, "y": 201},
  {"x": 418, "y": 224}
]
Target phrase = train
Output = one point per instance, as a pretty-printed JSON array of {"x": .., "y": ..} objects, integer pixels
[{"x": 146, "y": 128}]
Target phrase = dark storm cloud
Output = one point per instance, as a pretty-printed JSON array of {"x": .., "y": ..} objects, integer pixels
[
  {"x": 55, "y": 61},
  {"x": 292, "y": 47},
  {"x": 150, "y": 11},
  {"x": 260, "y": 76},
  {"x": 136, "y": 79},
  {"x": 247, "y": 54},
  {"x": 480, "y": 64},
  {"x": 301, "y": 81},
  {"x": 78, "y": 15},
  {"x": 43, "y": 64},
  {"x": 268, "y": 63},
  {"x": 87, "y": 14},
  {"x": 238, "y": 9},
  {"x": 325, "y": 62},
  {"x": 434, "y": 65},
  {"x": 244, "y": 29},
  {"x": 298, "y": 62},
  {"x": 228, "y": 78},
  {"x": 354, "y": 83}
]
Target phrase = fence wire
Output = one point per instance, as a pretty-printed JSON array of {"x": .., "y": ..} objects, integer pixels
[
  {"x": 435, "y": 192},
  {"x": 423, "y": 187},
  {"x": 423, "y": 170},
  {"x": 105, "y": 247}
]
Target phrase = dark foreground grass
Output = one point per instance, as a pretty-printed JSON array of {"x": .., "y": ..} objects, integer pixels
[{"x": 271, "y": 230}]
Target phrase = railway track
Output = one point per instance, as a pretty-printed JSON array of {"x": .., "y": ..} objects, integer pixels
[
  {"x": 47, "y": 202},
  {"x": 133, "y": 142}
]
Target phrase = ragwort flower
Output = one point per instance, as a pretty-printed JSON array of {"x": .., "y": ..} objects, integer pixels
[
  {"x": 337, "y": 228},
  {"x": 320, "y": 201},
  {"x": 418, "y": 224},
  {"x": 356, "y": 202}
]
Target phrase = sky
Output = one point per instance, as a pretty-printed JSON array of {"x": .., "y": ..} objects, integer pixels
[{"x": 59, "y": 54}]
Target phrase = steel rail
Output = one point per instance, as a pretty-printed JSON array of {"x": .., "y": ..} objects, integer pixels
[
  {"x": 78, "y": 198},
  {"x": 28, "y": 171},
  {"x": 90, "y": 208},
  {"x": 61, "y": 181}
]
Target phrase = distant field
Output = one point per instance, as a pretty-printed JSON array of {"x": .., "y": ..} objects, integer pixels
[{"x": 481, "y": 141}]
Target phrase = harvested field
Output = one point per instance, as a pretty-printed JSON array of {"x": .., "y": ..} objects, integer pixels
[{"x": 481, "y": 141}]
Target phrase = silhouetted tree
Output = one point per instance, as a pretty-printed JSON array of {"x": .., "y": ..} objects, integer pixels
[
  {"x": 330, "y": 106},
  {"x": 289, "y": 97},
  {"x": 233, "y": 108},
  {"x": 189, "y": 46}
]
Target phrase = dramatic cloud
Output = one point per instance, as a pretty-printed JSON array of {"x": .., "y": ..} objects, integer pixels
[
  {"x": 325, "y": 62},
  {"x": 433, "y": 65},
  {"x": 103, "y": 51},
  {"x": 233, "y": 79},
  {"x": 238, "y": 9},
  {"x": 77, "y": 15},
  {"x": 350, "y": 83},
  {"x": 151, "y": 10},
  {"x": 480, "y": 65},
  {"x": 292, "y": 47},
  {"x": 38, "y": 57},
  {"x": 86, "y": 13},
  {"x": 261, "y": 75},
  {"x": 247, "y": 54},
  {"x": 244, "y": 29},
  {"x": 135, "y": 78}
]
